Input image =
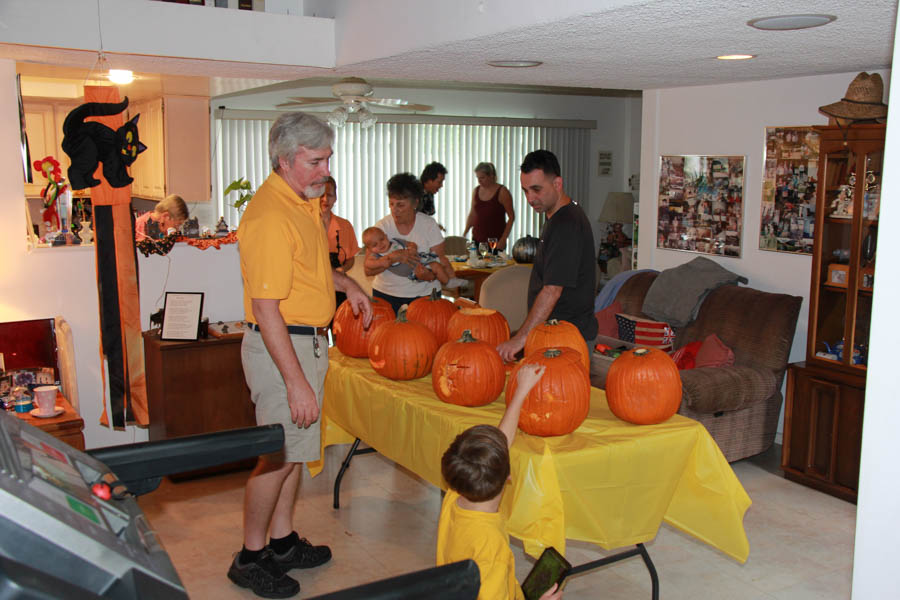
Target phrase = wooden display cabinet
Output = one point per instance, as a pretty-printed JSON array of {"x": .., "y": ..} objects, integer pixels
[
  {"x": 196, "y": 387},
  {"x": 825, "y": 395}
]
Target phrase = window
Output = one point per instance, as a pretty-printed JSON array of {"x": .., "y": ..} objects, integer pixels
[{"x": 364, "y": 159}]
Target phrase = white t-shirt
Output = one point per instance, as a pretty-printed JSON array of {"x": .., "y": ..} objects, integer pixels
[{"x": 425, "y": 234}]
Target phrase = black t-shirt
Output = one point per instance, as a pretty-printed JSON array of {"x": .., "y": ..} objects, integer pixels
[
  {"x": 426, "y": 204},
  {"x": 565, "y": 257}
]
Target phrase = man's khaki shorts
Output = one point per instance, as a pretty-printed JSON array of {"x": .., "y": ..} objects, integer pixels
[{"x": 269, "y": 394}]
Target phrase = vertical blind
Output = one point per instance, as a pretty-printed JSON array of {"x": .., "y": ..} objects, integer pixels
[{"x": 364, "y": 159}]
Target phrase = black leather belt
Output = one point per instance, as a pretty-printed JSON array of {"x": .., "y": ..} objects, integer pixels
[{"x": 299, "y": 329}]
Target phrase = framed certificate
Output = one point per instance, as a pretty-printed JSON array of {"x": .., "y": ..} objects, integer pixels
[{"x": 181, "y": 316}]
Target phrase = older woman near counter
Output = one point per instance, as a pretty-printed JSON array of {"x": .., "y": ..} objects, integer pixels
[
  {"x": 492, "y": 214},
  {"x": 404, "y": 192}
]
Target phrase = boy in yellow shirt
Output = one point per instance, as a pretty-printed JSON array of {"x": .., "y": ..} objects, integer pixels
[{"x": 476, "y": 467}]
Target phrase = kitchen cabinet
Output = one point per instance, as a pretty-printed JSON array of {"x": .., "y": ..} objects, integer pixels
[
  {"x": 825, "y": 395},
  {"x": 196, "y": 387},
  {"x": 43, "y": 125},
  {"x": 175, "y": 130}
]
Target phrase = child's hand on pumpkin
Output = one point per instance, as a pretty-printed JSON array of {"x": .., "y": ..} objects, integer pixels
[{"x": 528, "y": 377}]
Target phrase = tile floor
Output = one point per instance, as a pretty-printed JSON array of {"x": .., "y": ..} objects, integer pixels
[{"x": 801, "y": 541}]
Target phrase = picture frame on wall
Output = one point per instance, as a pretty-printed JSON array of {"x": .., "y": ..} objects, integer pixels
[
  {"x": 181, "y": 316},
  {"x": 700, "y": 204},
  {"x": 788, "y": 211}
]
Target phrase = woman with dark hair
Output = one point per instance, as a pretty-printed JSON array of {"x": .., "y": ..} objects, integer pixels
[
  {"x": 405, "y": 224},
  {"x": 492, "y": 214}
]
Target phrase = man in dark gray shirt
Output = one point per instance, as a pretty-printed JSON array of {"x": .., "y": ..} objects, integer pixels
[{"x": 563, "y": 278}]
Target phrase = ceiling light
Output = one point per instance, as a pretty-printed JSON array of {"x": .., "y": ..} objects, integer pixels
[
  {"x": 788, "y": 22},
  {"x": 736, "y": 56},
  {"x": 515, "y": 64},
  {"x": 121, "y": 76},
  {"x": 338, "y": 116},
  {"x": 366, "y": 118}
]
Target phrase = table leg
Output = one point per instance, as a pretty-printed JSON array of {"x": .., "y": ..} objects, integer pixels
[
  {"x": 639, "y": 549},
  {"x": 346, "y": 465}
]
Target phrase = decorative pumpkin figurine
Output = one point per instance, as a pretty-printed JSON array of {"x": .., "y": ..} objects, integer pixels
[
  {"x": 486, "y": 324},
  {"x": 401, "y": 349},
  {"x": 525, "y": 249},
  {"x": 468, "y": 372},
  {"x": 553, "y": 334},
  {"x": 434, "y": 313},
  {"x": 350, "y": 336},
  {"x": 643, "y": 386},
  {"x": 560, "y": 401}
]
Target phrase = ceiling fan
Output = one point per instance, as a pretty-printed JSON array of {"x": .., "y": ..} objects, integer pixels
[{"x": 353, "y": 94}]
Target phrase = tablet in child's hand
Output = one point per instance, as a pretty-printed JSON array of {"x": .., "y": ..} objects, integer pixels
[{"x": 550, "y": 568}]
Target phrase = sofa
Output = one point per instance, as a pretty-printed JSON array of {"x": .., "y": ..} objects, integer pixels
[{"x": 738, "y": 404}]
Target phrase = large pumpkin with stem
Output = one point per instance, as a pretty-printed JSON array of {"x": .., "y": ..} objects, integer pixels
[
  {"x": 350, "y": 336},
  {"x": 401, "y": 349},
  {"x": 553, "y": 334},
  {"x": 643, "y": 386},
  {"x": 434, "y": 313},
  {"x": 486, "y": 324},
  {"x": 467, "y": 372},
  {"x": 559, "y": 403}
]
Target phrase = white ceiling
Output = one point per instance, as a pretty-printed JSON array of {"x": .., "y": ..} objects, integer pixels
[{"x": 596, "y": 46}]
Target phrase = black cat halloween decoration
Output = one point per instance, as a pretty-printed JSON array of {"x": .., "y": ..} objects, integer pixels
[{"x": 88, "y": 143}]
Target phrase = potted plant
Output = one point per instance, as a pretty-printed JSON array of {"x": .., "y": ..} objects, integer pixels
[{"x": 245, "y": 192}]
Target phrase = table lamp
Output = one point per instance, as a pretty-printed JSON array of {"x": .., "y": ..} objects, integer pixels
[{"x": 618, "y": 209}]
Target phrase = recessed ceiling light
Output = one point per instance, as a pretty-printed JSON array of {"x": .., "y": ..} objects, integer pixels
[
  {"x": 736, "y": 56},
  {"x": 788, "y": 22},
  {"x": 514, "y": 64}
]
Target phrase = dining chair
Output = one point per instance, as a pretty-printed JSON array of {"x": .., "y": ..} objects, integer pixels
[
  {"x": 455, "y": 244},
  {"x": 506, "y": 290}
]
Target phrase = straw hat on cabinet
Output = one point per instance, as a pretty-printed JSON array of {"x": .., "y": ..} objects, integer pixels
[{"x": 862, "y": 102}]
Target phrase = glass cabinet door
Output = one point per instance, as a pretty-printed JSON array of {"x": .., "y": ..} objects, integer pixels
[{"x": 850, "y": 202}]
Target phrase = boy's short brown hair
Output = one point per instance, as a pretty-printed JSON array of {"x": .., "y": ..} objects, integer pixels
[{"x": 476, "y": 465}]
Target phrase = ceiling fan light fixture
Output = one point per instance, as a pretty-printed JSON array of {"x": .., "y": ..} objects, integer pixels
[
  {"x": 366, "y": 118},
  {"x": 515, "y": 64},
  {"x": 736, "y": 56},
  {"x": 120, "y": 76},
  {"x": 790, "y": 22},
  {"x": 338, "y": 116}
]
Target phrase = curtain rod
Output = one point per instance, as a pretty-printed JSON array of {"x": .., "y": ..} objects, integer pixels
[{"x": 271, "y": 115}]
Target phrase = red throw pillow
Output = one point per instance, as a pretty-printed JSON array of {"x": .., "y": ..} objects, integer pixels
[
  {"x": 686, "y": 356},
  {"x": 606, "y": 319},
  {"x": 714, "y": 353}
]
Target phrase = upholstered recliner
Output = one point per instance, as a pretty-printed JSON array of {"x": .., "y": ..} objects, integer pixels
[{"x": 739, "y": 405}]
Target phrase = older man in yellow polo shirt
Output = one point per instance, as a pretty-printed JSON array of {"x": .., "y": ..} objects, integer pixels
[{"x": 289, "y": 290}]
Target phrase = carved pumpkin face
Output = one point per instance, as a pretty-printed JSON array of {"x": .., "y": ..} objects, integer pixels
[{"x": 468, "y": 372}]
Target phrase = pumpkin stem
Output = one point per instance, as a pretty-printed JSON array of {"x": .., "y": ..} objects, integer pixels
[
  {"x": 435, "y": 295},
  {"x": 401, "y": 314},
  {"x": 552, "y": 352},
  {"x": 552, "y": 322},
  {"x": 642, "y": 352},
  {"x": 466, "y": 337}
]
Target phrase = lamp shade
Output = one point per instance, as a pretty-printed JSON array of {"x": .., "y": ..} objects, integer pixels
[{"x": 619, "y": 208}]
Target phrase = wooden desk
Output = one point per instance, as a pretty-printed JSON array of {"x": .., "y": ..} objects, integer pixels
[
  {"x": 196, "y": 387},
  {"x": 477, "y": 276},
  {"x": 67, "y": 427}
]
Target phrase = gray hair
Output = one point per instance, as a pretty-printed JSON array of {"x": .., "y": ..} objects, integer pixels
[
  {"x": 294, "y": 129},
  {"x": 486, "y": 168}
]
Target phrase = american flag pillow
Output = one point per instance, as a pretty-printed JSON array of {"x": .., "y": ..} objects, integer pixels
[{"x": 645, "y": 332}]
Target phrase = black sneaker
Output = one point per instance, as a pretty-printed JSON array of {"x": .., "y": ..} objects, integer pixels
[
  {"x": 264, "y": 576},
  {"x": 302, "y": 556}
]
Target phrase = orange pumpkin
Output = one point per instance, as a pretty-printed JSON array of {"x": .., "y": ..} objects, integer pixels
[
  {"x": 643, "y": 386},
  {"x": 486, "y": 324},
  {"x": 467, "y": 372},
  {"x": 401, "y": 349},
  {"x": 553, "y": 334},
  {"x": 465, "y": 303},
  {"x": 434, "y": 313},
  {"x": 560, "y": 401},
  {"x": 350, "y": 336}
]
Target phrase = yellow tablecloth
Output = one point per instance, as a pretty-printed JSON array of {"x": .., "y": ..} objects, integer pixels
[{"x": 610, "y": 483}]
